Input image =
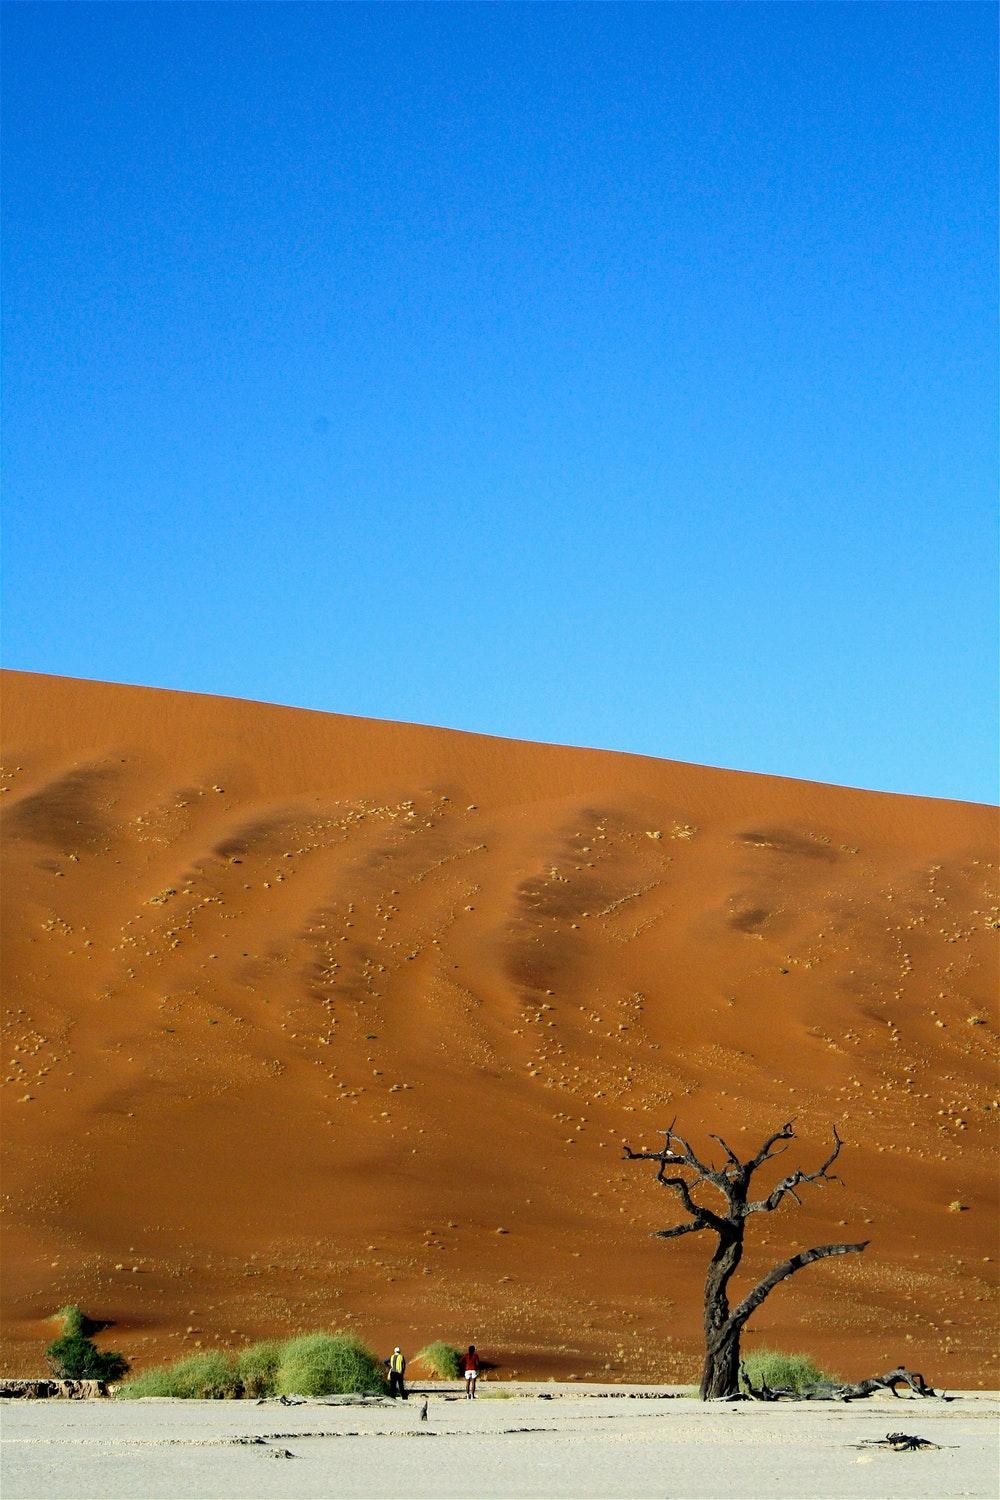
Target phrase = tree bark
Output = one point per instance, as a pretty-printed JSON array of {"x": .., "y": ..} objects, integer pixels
[{"x": 721, "y": 1373}]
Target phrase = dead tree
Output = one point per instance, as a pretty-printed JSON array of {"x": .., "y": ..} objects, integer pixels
[{"x": 680, "y": 1170}]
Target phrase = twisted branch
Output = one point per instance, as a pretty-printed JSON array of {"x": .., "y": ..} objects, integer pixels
[
  {"x": 703, "y": 1217},
  {"x": 679, "y": 1229},
  {"x": 766, "y": 1151},
  {"x": 789, "y": 1185}
]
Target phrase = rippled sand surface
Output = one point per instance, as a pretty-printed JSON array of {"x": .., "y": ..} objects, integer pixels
[{"x": 318, "y": 1022}]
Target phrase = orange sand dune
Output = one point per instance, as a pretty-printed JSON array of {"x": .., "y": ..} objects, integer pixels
[{"x": 316, "y": 1021}]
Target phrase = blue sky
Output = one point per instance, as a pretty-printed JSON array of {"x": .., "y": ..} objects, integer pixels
[{"x": 610, "y": 375}]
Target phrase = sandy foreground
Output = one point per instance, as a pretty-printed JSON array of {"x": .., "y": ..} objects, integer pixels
[{"x": 539, "y": 1441}]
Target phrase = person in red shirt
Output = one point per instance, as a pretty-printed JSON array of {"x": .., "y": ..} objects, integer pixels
[{"x": 470, "y": 1366}]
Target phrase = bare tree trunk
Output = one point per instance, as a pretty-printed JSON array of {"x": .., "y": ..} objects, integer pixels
[
  {"x": 721, "y": 1373},
  {"x": 720, "y": 1376}
]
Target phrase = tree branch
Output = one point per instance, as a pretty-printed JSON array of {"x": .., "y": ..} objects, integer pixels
[
  {"x": 705, "y": 1217},
  {"x": 733, "y": 1158},
  {"x": 685, "y": 1157},
  {"x": 789, "y": 1184},
  {"x": 766, "y": 1151},
  {"x": 775, "y": 1276},
  {"x": 678, "y": 1230}
]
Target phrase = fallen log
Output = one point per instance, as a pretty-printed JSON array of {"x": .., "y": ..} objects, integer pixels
[
  {"x": 899, "y": 1376},
  {"x": 842, "y": 1391}
]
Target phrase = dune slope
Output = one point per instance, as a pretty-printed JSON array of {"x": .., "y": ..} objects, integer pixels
[{"x": 317, "y": 1021}]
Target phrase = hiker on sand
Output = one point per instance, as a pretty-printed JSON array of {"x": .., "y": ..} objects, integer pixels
[
  {"x": 470, "y": 1368},
  {"x": 397, "y": 1369}
]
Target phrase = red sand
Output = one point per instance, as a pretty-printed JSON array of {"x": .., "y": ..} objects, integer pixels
[{"x": 317, "y": 1021}]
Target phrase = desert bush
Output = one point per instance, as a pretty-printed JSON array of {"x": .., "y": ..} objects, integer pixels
[
  {"x": 314, "y": 1364},
  {"x": 77, "y": 1357},
  {"x": 328, "y": 1364},
  {"x": 773, "y": 1367},
  {"x": 441, "y": 1359},
  {"x": 211, "y": 1376},
  {"x": 150, "y": 1383},
  {"x": 73, "y": 1322},
  {"x": 257, "y": 1368}
]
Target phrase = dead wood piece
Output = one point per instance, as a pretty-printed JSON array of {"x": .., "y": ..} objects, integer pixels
[
  {"x": 900, "y": 1376},
  {"x": 900, "y": 1442},
  {"x": 763, "y": 1392},
  {"x": 843, "y": 1391}
]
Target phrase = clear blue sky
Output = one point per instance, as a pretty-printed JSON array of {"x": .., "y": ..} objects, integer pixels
[{"x": 619, "y": 375}]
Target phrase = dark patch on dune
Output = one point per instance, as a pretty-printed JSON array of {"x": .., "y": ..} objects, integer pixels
[
  {"x": 534, "y": 968},
  {"x": 254, "y": 972},
  {"x": 541, "y": 898},
  {"x": 603, "y": 817},
  {"x": 259, "y": 836},
  {"x": 409, "y": 849},
  {"x": 749, "y": 918},
  {"x": 67, "y": 813},
  {"x": 782, "y": 841}
]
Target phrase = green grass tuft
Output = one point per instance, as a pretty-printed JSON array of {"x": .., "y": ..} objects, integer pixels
[
  {"x": 773, "y": 1367},
  {"x": 441, "y": 1359},
  {"x": 257, "y": 1368},
  {"x": 212, "y": 1376},
  {"x": 159, "y": 1382},
  {"x": 328, "y": 1364},
  {"x": 73, "y": 1322},
  {"x": 314, "y": 1364}
]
